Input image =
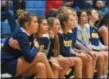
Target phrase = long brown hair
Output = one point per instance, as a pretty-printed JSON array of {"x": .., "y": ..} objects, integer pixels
[{"x": 56, "y": 39}]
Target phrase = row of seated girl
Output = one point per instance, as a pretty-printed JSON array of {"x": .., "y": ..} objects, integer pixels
[{"x": 48, "y": 48}]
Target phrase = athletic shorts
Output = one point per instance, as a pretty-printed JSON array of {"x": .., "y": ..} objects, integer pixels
[{"x": 9, "y": 67}]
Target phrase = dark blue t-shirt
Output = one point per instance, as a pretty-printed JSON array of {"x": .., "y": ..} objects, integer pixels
[{"x": 94, "y": 36}]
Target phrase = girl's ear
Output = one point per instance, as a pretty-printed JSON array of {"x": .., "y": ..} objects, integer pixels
[{"x": 26, "y": 24}]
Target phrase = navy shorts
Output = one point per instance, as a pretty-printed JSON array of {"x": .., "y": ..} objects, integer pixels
[{"x": 9, "y": 67}]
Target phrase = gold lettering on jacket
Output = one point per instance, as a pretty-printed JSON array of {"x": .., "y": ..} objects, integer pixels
[
  {"x": 94, "y": 35},
  {"x": 68, "y": 43}
]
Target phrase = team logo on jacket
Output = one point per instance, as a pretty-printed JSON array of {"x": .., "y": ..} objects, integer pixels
[
  {"x": 68, "y": 43},
  {"x": 94, "y": 35},
  {"x": 41, "y": 48}
]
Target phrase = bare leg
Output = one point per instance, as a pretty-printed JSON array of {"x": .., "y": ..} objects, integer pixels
[
  {"x": 99, "y": 64},
  {"x": 55, "y": 70},
  {"x": 64, "y": 63},
  {"x": 94, "y": 60},
  {"x": 77, "y": 67},
  {"x": 87, "y": 65},
  {"x": 39, "y": 70},
  {"x": 23, "y": 65},
  {"x": 105, "y": 53}
]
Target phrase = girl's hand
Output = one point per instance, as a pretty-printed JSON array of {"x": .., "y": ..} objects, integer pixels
[
  {"x": 92, "y": 54},
  {"x": 71, "y": 62},
  {"x": 107, "y": 48},
  {"x": 51, "y": 34},
  {"x": 56, "y": 66},
  {"x": 85, "y": 56},
  {"x": 55, "y": 63},
  {"x": 36, "y": 44},
  {"x": 89, "y": 46},
  {"x": 14, "y": 43}
]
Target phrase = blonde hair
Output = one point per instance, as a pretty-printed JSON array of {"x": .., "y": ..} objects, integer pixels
[
  {"x": 20, "y": 13},
  {"x": 62, "y": 10}
]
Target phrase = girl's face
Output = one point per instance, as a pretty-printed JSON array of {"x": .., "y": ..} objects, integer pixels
[
  {"x": 75, "y": 14},
  {"x": 56, "y": 26},
  {"x": 83, "y": 17},
  {"x": 76, "y": 20},
  {"x": 99, "y": 4},
  {"x": 71, "y": 22},
  {"x": 94, "y": 15},
  {"x": 33, "y": 26},
  {"x": 44, "y": 26}
]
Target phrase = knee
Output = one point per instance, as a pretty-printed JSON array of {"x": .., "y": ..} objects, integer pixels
[
  {"x": 90, "y": 59},
  {"x": 100, "y": 57},
  {"x": 41, "y": 55},
  {"x": 78, "y": 61},
  {"x": 54, "y": 60},
  {"x": 105, "y": 57},
  {"x": 66, "y": 62},
  {"x": 41, "y": 66},
  {"x": 87, "y": 58},
  {"x": 94, "y": 55}
]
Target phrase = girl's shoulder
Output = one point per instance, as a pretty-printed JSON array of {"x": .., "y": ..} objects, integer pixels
[
  {"x": 19, "y": 35},
  {"x": 60, "y": 35},
  {"x": 75, "y": 29},
  {"x": 18, "y": 31},
  {"x": 44, "y": 38}
]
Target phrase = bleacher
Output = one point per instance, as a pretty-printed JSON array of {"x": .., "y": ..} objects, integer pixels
[
  {"x": 5, "y": 31},
  {"x": 5, "y": 28},
  {"x": 36, "y": 7}
]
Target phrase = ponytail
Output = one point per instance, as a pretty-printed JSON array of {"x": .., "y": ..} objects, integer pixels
[{"x": 23, "y": 17}]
